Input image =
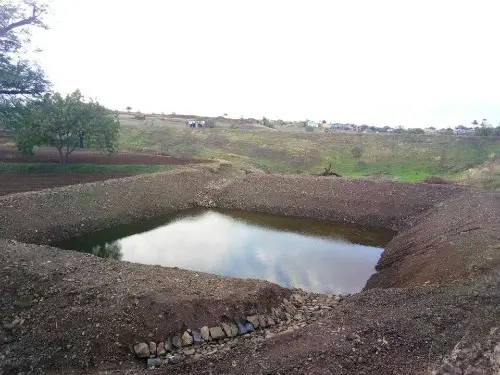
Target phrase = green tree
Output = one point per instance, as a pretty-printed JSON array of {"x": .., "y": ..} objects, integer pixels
[
  {"x": 266, "y": 122},
  {"x": 129, "y": 108},
  {"x": 63, "y": 122},
  {"x": 19, "y": 78}
]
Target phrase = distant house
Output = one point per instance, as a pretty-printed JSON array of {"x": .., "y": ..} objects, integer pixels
[
  {"x": 313, "y": 124},
  {"x": 460, "y": 129}
]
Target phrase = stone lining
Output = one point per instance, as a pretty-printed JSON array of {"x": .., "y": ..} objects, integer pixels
[{"x": 193, "y": 344}]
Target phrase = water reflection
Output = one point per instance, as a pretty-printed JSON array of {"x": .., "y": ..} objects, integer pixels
[
  {"x": 107, "y": 250},
  {"x": 224, "y": 245}
]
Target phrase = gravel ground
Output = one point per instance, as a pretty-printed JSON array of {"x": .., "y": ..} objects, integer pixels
[{"x": 69, "y": 312}]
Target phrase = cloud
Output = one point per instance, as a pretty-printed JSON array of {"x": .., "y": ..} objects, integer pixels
[{"x": 385, "y": 62}]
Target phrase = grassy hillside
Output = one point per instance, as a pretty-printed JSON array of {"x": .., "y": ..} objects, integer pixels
[{"x": 401, "y": 157}]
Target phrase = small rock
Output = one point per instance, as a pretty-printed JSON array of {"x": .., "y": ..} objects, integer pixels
[
  {"x": 252, "y": 311},
  {"x": 298, "y": 316},
  {"x": 249, "y": 327},
  {"x": 175, "y": 359},
  {"x": 189, "y": 351},
  {"x": 217, "y": 333},
  {"x": 227, "y": 329},
  {"x": 234, "y": 329},
  {"x": 262, "y": 321},
  {"x": 168, "y": 345},
  {"x": 205, "y": 333},
  {"x": 254, "y": 319},
  {"x": 176, "y": 342},
  {"x": 153, "y": 362},
  {"x": 152, "y": 348},
  {"x": 270, "y": 335},
  {"x": 186, "y": 339},
  {"x": 161, "y": 349},
  {"x": 270, "y": 321},
  {"x": 297, "y": 299},
  {"x": 9, "y": 326},
  {"x": 276, "y": 313},
  {"x": 141, "y": 350},
  {"x": 241, "y": 328},
  {"x": 196, "y": 337},
  {"x": 289, "y": 308}
]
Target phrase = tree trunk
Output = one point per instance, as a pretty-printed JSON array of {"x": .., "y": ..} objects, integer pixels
[
  {"x": 81, "y": 141},
  {"x": 62, "y": 157}
]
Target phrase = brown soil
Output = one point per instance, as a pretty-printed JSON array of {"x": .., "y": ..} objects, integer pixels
[
  {"x": 433, "y": 305},
  {"x": 18, "y": 182},
  {"x": 79, "y": 309},
  {"x": 49, "y": 155}
]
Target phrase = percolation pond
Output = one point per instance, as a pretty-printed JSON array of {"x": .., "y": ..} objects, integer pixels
[{"x": 318, "y": 256}]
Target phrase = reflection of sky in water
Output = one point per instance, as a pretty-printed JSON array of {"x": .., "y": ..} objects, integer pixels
[{"x": 218, "y": 244}]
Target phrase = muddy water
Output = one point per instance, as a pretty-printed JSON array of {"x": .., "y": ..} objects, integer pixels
[{"x": 314, "y": 255}]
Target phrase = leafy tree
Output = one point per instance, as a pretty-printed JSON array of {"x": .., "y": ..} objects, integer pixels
[
  {"x": 129, "y": 108},
  {"x": 63, "y": 122},
  {"x": 484, "y": 131},
  {"x": 447, "y": 131},
  {"x": 416, "y": 131},
  {"x": 19, "y": 78},
  {"x": 267, "y": 123},
  {"x": 475, "y": 123}
]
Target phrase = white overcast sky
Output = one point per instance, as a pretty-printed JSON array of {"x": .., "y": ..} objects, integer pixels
[{"x": 386, "y": 62}]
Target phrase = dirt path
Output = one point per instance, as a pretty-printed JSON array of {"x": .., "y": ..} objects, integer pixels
[
  {"x": 49, "y": 155},
  {"x": 20, "y": 182}
]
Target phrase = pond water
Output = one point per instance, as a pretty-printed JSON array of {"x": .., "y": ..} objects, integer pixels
[{"x": 315, "y": 255}]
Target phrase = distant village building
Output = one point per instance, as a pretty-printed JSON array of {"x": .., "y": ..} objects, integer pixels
[
  {"x": 460, "y": 129},
  {"x": 313, "y": 124}
]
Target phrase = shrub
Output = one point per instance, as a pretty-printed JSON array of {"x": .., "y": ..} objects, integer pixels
[
  {"x": 357, "y": 152},
  {"x": 309, "y": 129}
]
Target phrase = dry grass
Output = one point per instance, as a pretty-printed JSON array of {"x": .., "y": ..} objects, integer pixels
[{"x": 399, "y": 157}]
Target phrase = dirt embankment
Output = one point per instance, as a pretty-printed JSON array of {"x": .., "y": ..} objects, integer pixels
[
  {"x": 457, "y": 238},
  {"x": 92, "y": 309},
  {"x": 56, "y": 214}
]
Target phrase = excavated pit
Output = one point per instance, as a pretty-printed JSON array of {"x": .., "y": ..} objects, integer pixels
[{"x": 444, "y": 258}]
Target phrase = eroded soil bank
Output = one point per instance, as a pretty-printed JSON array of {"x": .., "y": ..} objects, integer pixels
[{"x": 443, "y": 314}]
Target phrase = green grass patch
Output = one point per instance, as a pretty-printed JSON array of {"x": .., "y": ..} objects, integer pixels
[{"x": 80, "y": 168}]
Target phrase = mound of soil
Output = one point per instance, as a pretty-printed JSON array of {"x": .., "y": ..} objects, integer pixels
[{"x": 74, "y": 310}]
